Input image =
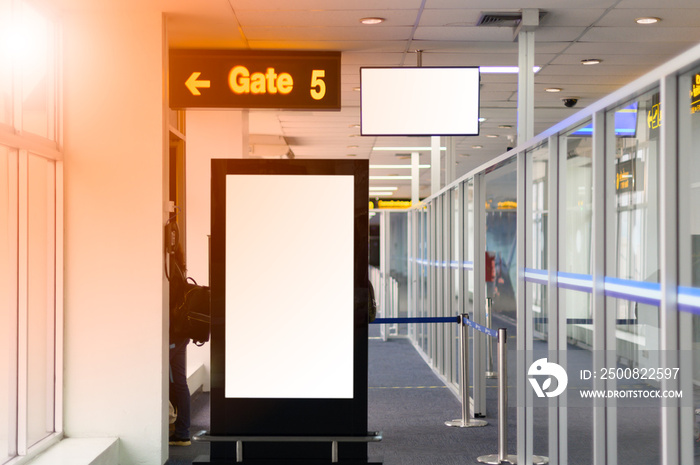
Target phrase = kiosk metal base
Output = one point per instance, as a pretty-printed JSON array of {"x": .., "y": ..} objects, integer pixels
[
  {"x": 471, "y": 423},
  {"x": 512, "y": 459},
  {"x": 493, "y": 459},
  {"x": 206, "y": 460}
]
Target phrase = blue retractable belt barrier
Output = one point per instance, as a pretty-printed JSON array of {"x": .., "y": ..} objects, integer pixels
[
  {"x": 483, "y": 329},
  {"x": 446, "y": 319}
]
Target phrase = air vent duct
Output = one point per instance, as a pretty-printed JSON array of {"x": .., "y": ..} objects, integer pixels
[
  {"x": 510, "y": 18},
  {"x": 499, "y": 19}
]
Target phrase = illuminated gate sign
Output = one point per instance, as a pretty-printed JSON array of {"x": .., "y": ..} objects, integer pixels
[{"x": 254, "y": 79}]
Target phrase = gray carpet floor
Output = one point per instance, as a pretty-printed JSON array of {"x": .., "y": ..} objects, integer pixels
[{"x": 409, "y": 404}]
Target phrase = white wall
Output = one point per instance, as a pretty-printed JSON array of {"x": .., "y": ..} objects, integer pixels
[
  {"x": 115, "y": 325},
  {"x": 210, "y": 134}
]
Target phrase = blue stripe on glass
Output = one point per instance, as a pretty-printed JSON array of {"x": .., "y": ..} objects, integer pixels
[
  {"x": 689, "y": 299},
  {"x": 536, "y": 276},
  {"x": 575, "y": 281},
  {"x": 444, "y": 264}
]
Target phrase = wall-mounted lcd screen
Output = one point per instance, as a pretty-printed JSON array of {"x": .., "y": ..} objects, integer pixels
[
  {"x": 419, "y": 101},
  {"x": 289, "y": 286}
]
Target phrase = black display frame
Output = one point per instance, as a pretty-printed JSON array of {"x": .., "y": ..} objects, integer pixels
[{"x": 289, "y": 417}]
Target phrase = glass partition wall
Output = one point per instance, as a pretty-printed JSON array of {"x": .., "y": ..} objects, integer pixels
[{"x": 604, "y": 272}]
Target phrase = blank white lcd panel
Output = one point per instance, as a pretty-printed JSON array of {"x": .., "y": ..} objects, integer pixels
[
  {"x": 289, "y": 286},
  {"x": 419, "y": 101}
]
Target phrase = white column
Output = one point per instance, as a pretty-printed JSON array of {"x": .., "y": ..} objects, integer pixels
[
  {"x": 415, "y": 178},
  {"x": 450, "y": 160},
  {"x": 434, "y": 164},
  {"x": 114, "y": 290},
  {"x": 526, "y": 76}
]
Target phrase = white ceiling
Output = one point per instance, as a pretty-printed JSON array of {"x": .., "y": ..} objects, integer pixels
[{"x": 446, "y": 32}]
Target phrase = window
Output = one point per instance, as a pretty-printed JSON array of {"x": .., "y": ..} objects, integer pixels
[{"x": 30, "y": 200}]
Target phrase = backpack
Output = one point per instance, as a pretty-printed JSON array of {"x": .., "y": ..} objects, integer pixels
[{"x": 193, "y": 314}]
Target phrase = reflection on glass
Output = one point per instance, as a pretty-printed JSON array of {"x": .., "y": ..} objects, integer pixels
[
  {"x": 633, "y": 242},
  {"x": 452, "y": 331},
  {"x": 398, "y": 267},
  {"x": 468, "y": 265},
  {"x": 501, "y": 235},
  {"x": 692, "y": 276},
  {"x": 423, "y": 273},
  {"x": 537, "y": 228},
  {"x": 575, "y": 228}
]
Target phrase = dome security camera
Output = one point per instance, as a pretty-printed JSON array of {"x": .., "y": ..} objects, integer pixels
[{"x": 570, "y": 102}]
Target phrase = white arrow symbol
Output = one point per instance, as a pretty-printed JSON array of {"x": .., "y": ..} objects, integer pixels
[{"x": 193, "y": 84}]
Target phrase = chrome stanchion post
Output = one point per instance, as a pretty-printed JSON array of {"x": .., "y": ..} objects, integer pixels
[
  {"x": 490, "y": 374},
  {"x": 502, "y": 456},
  {"x": 466, "y": 421}
]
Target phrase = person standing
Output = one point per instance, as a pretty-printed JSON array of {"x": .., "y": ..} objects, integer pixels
[{"x": 179, "y": 391}]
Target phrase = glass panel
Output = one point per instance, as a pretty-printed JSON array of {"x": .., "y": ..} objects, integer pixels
[
  {"x": 40, "y": 298},
  {"x": 37, "y": 72},
  {"x": 501, "y": 235},
  {"x": 690, "y": 240},
  {"x": 575, "y": 228},
  {"x": 398, "y": 269},
  {"x": 451, "y": 330},
  {"x": 422, "y": 271},
  {"x": 632, "y": 241},
  {"x": 537, "y": 228},
  {"x": 8, "y": 303},
  {"x": 468, "y": 266},
  {"x": 469, "y": 245},
  {"x": 467, "y": 238},
  {"x": 7, "y": 55}
]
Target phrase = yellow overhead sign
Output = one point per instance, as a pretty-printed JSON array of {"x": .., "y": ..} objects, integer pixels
[{"x": 254, "y": 79}]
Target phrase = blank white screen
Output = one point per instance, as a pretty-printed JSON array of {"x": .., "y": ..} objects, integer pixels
[
  {"x": 289, "y": 286},
  {"x": 419, "y": 101}
]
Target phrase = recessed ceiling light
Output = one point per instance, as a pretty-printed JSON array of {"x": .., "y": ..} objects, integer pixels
[
  {"x": 356, "y": 89},
  {"x": 354, "y": 125},
  {"x": 647, "y": 20},
  {"x": 591, "y": 61},
  {"x": 477, "y": 146},
  {"x": 505, "y": 126},
  {"x": 353, "y": 146},
  {"x": 553, "y": 89},
  {"x": 481, "y": 120},
  {"x": 492, "y": 136},
  {"x": 372, "y": 20}
]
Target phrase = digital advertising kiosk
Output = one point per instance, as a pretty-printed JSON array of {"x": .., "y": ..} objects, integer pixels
[{"x": 289, "y": 266}]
